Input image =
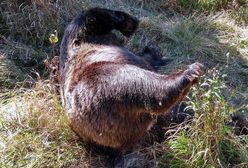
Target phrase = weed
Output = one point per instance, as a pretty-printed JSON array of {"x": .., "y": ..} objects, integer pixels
[
  {"x": 208, "y": 142},
  {"x": 243, "y": 43}
]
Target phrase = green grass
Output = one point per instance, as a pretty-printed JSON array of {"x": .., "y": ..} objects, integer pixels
[
  {"x": 188, "y": 36},
  {"x": 208, "y": 142},
  {"x": 243, "y": 43},
  {"x": 203, "y": 4}
]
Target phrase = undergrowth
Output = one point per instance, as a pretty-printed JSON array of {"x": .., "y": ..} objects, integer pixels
[{"x": 208, "y": 141}]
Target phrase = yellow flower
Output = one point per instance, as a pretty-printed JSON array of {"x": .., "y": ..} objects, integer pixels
[{"x": 54, "y": 37}]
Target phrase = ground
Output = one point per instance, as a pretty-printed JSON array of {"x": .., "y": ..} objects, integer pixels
[{"x": 34, "y": 129}]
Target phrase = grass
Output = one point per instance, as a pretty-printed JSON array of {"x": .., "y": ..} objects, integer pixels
[
  {"x": 208, "y": 141},
  {"x": 10, "y": 74},
  {"x": 190, "y": 35},
  {"x": 243, "y": 43},
  {"x": 34, "y": 129}
]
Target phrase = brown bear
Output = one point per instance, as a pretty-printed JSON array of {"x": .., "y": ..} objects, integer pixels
[{"x": 112, "y": 96}]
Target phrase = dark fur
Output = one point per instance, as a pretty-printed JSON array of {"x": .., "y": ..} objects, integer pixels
[
  {"x": 153, "y": 57},
  {"x": 111, "y": 95},
  {"x": 239, "y": 123}
]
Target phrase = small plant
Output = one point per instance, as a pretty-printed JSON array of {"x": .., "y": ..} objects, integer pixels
[
  {"x": 53, "y": 39},
  {"x": 243, "y": 43},
  {"x": 208, "y": 142}
]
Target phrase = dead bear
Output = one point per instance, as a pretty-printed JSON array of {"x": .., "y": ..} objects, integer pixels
[{"x": 112, "y": 96}]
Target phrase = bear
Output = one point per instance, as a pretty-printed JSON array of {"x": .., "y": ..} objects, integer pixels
[{"x": 112, "y": 97}]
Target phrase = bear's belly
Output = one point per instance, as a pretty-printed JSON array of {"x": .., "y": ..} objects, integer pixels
[{"x": 120, "y": 134}]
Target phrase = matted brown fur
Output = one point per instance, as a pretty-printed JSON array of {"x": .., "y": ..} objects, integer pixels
[{"x": 112, "y": 96}]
